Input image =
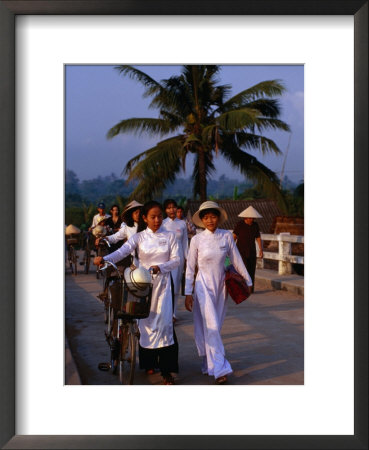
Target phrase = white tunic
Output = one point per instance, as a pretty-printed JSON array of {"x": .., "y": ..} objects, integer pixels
[
  {"x": 97, "y": 218},
  {"x": 208, "y": 252},
  {"x": 124, "y": 232},
  {"x": 154, "y": 249},
  {"x": 179, "y": 228}
]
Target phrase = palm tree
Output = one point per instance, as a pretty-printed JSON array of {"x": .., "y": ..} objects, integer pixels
[{"x": 196, "y": 116}]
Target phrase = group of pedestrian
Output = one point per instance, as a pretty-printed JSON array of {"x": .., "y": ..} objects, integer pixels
[{"x": 161, "y": 245}]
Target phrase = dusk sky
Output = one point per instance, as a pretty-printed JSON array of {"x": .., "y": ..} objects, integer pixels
[{"x": 98, "y": 97}]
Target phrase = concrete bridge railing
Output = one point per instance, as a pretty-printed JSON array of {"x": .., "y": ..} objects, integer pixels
[{"x": 284, "y": 256}]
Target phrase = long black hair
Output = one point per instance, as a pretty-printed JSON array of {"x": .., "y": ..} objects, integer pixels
[
  {"x": 142, "y": 225},
  {"x": 127, "y": 216},
  {"x": 168, "y": 202},
  {"x": 114, "y": 206},
  {"x": 214, "y": 211}
]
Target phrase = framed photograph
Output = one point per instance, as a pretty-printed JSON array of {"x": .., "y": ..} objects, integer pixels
[{"x": 37, "y": 40}]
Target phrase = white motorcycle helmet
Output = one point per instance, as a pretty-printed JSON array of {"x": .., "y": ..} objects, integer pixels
[{"x": 138, "y": 281}]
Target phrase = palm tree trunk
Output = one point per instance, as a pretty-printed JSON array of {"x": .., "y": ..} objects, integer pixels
[{"x": 202, "y": 175}]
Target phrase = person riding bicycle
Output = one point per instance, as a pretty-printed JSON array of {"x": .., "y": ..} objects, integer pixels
[
  {"x": 114, "y": 222},
  {"x": 100, "y": 216},
  {"x": 127, "y": 229}
]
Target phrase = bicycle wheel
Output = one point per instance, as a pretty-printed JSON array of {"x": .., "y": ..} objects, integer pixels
[
  {"x": 86, "y": 259},
  {"x": 127, "y": 361},
  {"x": 70, "y": 258},
  {"x": 100, "y": 252},
  {"x": 73, "y": 260},
  {"x": 108, "y": 311}
]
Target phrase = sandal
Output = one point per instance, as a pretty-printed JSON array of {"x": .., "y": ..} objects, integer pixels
[
  {"x": 168, "y": 379},
  {"x": 104, "y": 366},
  {"x": 221, "y": 380}
]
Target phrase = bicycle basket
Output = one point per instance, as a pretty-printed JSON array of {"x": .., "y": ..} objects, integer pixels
[{"x": 133, "y": 307}]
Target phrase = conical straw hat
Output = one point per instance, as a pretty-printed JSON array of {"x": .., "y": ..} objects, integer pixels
[
  {"x": 250, "y": 213},
  {"x": 72, "y": 229},
  {"x": 131, "y": 205},
  {"x": 209, "y": 205}
]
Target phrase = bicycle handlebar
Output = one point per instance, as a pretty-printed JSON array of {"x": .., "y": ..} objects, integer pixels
[
  {"x": 106, "y": 242},
  {"x": 110, "y": 264}
]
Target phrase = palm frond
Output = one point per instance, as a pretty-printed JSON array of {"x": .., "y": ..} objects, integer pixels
[
  {"x": 191, "y": 139},
  {"x": 149, "y": 125},
  {"x": 238, "y": 119},
  {"x": 256, "y": 142},
  {"x": 268, "y": 107},
  {"x": 269, "y": 88},
  {"x": 137, "y": 75},
  {"x": 208, "y": 133},
  {"x": 156, "y": 167},
  {"x": 174, "y": 97},
  {"x": 266, "y": 123},
  {"x": 166, "y": 144},
  {"x": 254, "y": 170},
  {"x": 174, "y": 119}
]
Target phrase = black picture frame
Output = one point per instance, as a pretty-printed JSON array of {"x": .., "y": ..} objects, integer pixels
[{"x": 8, "y": 11}]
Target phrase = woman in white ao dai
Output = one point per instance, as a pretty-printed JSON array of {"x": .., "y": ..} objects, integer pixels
[
  {"x": 128, "y": 227},
  {"x": 206, "y": 295},
  {"x": 179, "y": 228}
]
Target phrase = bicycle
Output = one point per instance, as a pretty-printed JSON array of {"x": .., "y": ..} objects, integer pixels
[
  {"x": 102, "y": 250},
  {"x": 72, "y": 254},
  {"x": 87, "y": 252},
  {"x": 104, "y": 295},
  {"x": 123, "y": 337}
]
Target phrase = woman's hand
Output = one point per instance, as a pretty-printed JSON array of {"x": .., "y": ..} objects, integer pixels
[
  {"x": 189, "y": 302},
  {"x": 98, "y": 260},
  {"x": 155, "y": 269}
]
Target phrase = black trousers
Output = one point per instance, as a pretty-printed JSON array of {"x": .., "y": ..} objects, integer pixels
[
  {"x": 250, "y": 264},
  {"x": 164, "y": 358}
]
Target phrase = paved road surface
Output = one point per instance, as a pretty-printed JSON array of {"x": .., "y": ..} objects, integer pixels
[{"x": 263, "y": 337}]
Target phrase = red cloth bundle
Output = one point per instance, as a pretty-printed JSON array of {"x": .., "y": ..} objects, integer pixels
[{"x": 236, "y": 285}]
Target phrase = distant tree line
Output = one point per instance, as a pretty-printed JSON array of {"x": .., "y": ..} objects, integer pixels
[{"x": 81, "y": 197}]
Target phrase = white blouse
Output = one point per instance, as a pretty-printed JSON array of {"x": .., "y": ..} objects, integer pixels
[
  {"x": 97, "y": 218},
  {"x": 179, "y": 228},
  {"x": 208, "y": 251},
  {"x": 125, "y": 232}
]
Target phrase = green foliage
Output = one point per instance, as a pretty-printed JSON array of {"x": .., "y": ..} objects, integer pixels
[
  {"x": 74, "y": 215},
  {"x": 295, "y": 201},
  {"x": 121, "y": 202},
  {"x": 205, "y": 121},
  {"x": 180, "y": 190},
  {"x": 88, "y": 212},
  {"x": 101, "y": 189},
  {"x": 235, "y": 193}
]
